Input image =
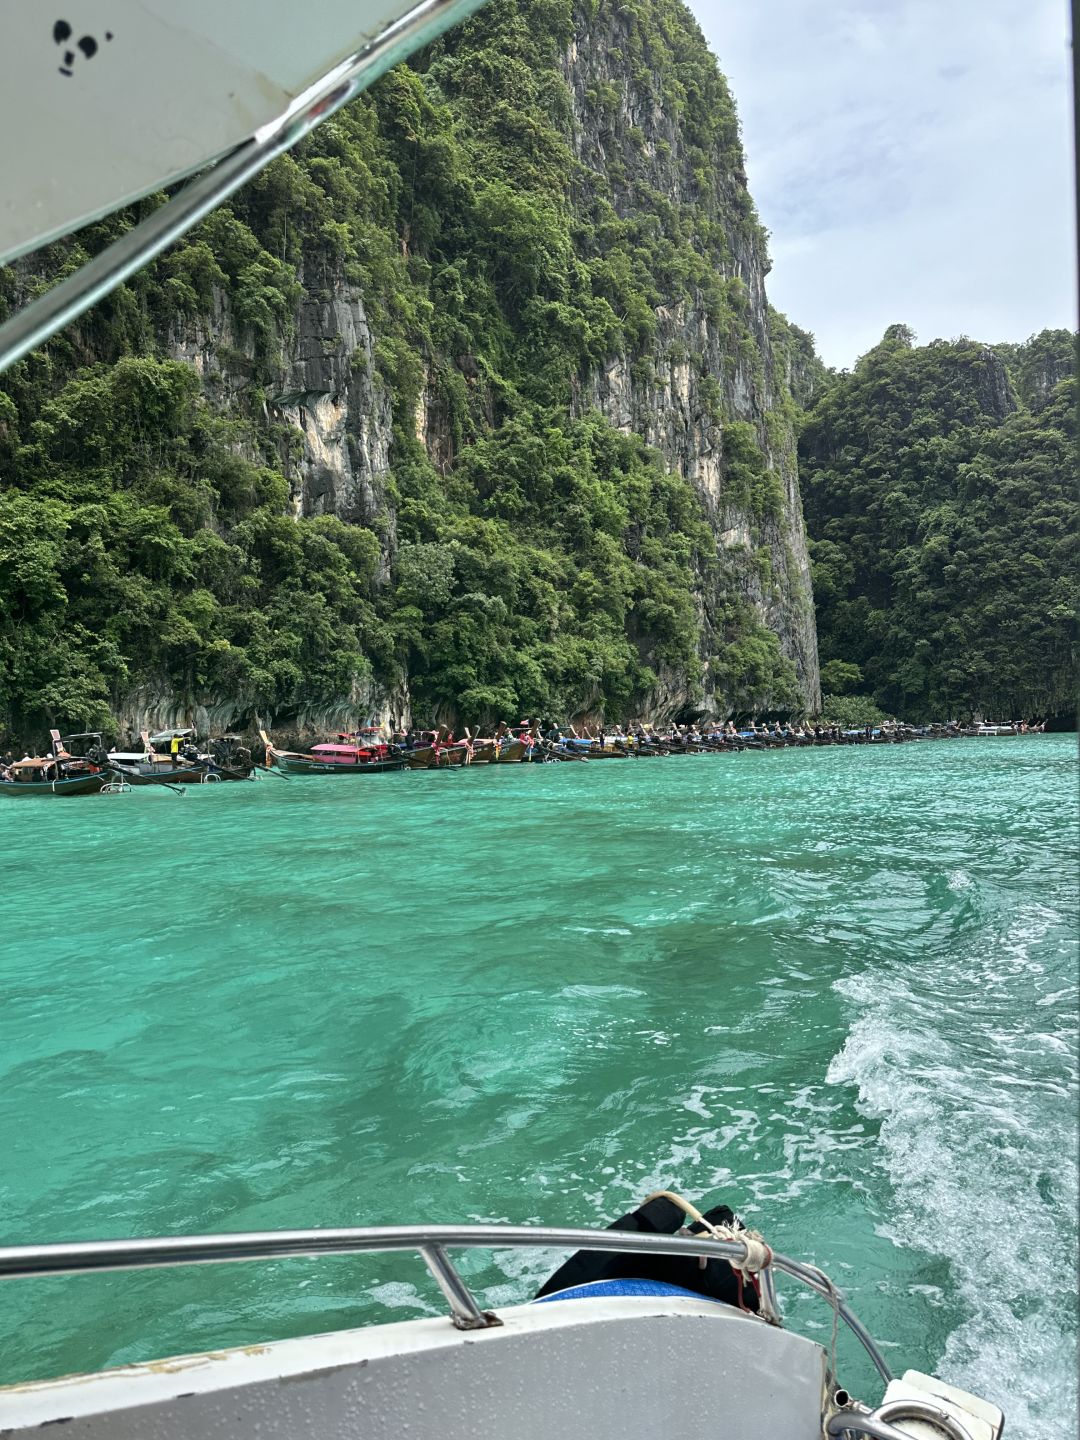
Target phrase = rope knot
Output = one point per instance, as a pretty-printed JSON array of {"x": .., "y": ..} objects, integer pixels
[{"x": 759, "y": 1253}]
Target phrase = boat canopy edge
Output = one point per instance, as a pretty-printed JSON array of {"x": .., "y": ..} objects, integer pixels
[{"x": 66, "y": 301}]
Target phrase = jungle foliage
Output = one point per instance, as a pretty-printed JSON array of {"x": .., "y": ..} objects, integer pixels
[
  {"x": 149, "y": 531},
  {"x": 939, "y": 484}
]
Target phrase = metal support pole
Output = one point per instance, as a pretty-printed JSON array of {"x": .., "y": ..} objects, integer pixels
[{"x": 465, "y": 1312}]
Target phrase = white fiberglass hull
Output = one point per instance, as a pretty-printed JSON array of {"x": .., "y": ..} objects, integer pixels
[
  {"x": 220, "y": 96},
  {"x": 604, "y": 1369},
  {"x": 585, "y": 1363}
]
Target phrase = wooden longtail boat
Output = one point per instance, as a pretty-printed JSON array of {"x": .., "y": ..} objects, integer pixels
[
  {"x": 231, "y": 759},
  {"x": 422, "y": 758},
  {"x": 294, "y": 763},
  {"x": 233, "y": 772},
  {"x": 61, "y": 773},
  {"x": 586, "y": 748},
  {"x": 510, "y": 752},
  {"x": 456, "y": 754},
  {"x": 342, "y": 758},
  {"x": 161, "y": 772},
  {"x": 88, "y": 782},
  {"x": 226, "y": 759}
]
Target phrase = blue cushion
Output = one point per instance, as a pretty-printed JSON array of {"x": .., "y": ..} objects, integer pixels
[{"x": 598, "y": 1288}]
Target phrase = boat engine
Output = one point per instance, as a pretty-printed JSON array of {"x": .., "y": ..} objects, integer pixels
[{"x": 921, "y": 1407}]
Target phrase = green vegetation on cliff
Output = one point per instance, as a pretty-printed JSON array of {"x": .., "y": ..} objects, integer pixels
[
  {"x": 151, "y": 528},
  {"x": 940, "y": 490}
]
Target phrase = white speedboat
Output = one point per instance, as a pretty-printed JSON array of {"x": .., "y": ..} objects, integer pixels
[{"x": 609, "y": 1359}]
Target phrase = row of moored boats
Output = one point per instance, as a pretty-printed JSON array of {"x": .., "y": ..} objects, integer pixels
[{"x": 82, "y": 764}]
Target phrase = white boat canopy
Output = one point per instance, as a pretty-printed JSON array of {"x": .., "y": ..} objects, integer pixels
[{"x": 112, "y": 100}]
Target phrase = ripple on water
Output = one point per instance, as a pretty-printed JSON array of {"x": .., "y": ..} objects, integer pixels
[{"x": 831, "y": 987}]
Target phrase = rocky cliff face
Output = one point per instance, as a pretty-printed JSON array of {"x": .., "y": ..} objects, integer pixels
[
  {"x": 542, "y": 225},
  {"x": 323, "y": 390},
  {"x": 699, "y": 373}
]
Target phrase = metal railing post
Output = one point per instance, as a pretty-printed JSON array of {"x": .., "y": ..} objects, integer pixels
[{"x": 464, "y": 1311}]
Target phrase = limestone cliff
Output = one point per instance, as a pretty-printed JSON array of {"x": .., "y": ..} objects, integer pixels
[
  {"x": 699, "y": 371},
  {"x": 504, "y": 325}
]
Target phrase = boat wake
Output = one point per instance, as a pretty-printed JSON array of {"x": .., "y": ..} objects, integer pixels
[{"x": 969, "y": 1067}]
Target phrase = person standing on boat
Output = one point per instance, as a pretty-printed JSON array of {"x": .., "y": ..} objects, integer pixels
[{"x": 174, "y": 750}]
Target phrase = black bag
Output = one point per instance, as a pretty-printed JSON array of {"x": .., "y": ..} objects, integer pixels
[{"x": 716, "y": 1280}]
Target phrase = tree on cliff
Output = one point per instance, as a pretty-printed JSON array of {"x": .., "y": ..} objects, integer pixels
[{"x": 939, "y": 484}]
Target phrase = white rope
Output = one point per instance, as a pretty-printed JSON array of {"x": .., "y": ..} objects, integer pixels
[
  {"x": 758, "y": 1256},
  {"x": 832, "y": 1295},
  {"x": 758, "y": 1252}
]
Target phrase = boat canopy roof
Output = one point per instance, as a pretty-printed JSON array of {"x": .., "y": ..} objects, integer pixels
[
  {"x": 130, "y": 98},
  {"x": 119, "y": 100},
  {"x": 163, "y": 735}
]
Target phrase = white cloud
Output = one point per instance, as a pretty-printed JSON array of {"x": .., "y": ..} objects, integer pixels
[{"x": 912, "y": 160}]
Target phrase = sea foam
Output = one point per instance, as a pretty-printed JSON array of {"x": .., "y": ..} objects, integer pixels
[{"x": 976, "y": 1098}]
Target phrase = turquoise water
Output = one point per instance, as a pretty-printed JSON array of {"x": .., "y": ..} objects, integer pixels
[{"x": 836, "y": 988}]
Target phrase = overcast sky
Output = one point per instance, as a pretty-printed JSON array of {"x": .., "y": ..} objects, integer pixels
[{"x": 912, "y": 160}]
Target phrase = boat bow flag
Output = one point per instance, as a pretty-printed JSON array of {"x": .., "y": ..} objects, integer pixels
[{"x": 105, "y": 101}]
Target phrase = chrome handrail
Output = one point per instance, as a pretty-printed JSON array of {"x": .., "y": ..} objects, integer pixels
[{"x": 83, "y": 1257}]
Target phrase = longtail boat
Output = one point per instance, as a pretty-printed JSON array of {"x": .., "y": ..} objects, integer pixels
[
  {"x": 231, "y": 759},
  {"x": 233, "y": 772},
  {"x": 44, "y": 777},
  {"x": 226, "y": 759},
  {"x": 499, "y": 750},
  {"x": 421, "y": 758},
  {"x": 159, "y": 772},
  {"x": 509, "y": 752},
  {"x": 293, "y": 763},
  {"x": 346, "y": 757},
  {"x": 457, "y": 753},
  {"x": 61, "y": 773}
]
